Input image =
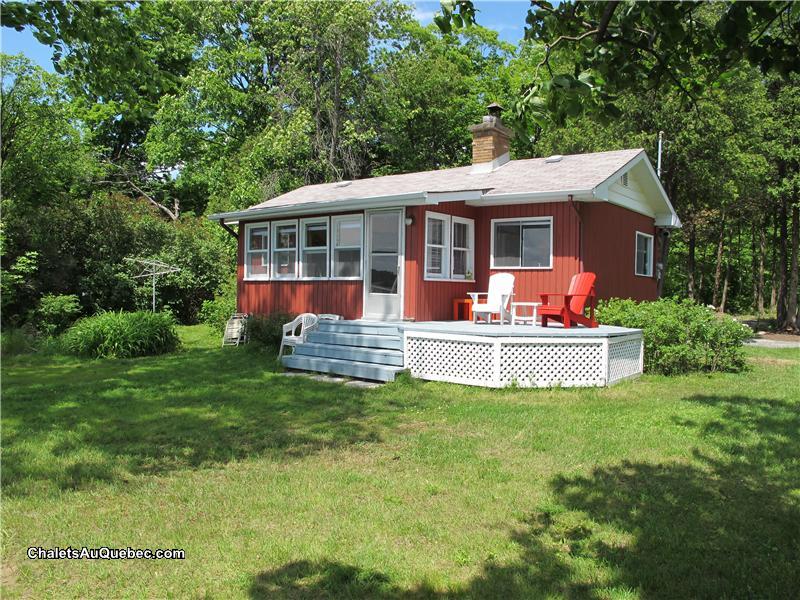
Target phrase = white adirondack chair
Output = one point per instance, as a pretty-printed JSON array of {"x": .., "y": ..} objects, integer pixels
[
  {"x": 295, "y": 332},
  {"x": 498, "y": 299}
]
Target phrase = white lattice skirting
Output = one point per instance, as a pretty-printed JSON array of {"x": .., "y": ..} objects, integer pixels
[{"x": 526, "y": 361}]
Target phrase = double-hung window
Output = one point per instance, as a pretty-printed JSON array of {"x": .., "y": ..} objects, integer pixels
[
  {"x": 347, "y": 239},
  {"x": 436, "y": 254},
  {"x": 463, "y": 240},
  {"x": 644, "y": 254},
  {"x": 314, "y": 244},
  {"x": 449, "y": 246},
  {"x": 284, "y": 250},
  {"x": 256, "y": 264},
  {"x": 525, "y": 243}
]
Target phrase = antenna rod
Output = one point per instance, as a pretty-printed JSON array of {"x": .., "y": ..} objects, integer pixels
[{"x": 660, "y": 141}]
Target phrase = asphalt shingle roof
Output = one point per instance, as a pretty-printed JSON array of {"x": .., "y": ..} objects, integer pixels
[{"x": 572, "y": 172}]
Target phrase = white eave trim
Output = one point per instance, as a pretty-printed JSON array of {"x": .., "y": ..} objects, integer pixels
[
  {"x": 531, "y": 197},
  {"x": 325, "y": 207}
]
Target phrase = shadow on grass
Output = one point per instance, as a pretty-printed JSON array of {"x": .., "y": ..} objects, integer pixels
[
  {"x": 74, "y": 423},
  {"x": 726, "y": 525}
]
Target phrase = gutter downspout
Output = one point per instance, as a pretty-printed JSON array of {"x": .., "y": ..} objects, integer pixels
[
  {"x": 228, "y": 228},
  {"x": 574, "y": 206}
]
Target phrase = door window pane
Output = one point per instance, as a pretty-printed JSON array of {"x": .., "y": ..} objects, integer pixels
[
  {"x": 384, "y": 232},
  {"x": 383, "y": 274}
]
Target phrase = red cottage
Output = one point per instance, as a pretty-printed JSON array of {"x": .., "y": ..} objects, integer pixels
[{"x": 403, "y": 247}]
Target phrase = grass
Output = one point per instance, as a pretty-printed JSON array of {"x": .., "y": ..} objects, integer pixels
[{"x": 291, "y": 488}]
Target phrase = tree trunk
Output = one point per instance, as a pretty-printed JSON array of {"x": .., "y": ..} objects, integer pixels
[
  {"x": 773, "y": 296},
  {"x": 783, "y": 260},
  {"x": 792, "y": 323},
  {"x": 725, "y": 286},
  {"x": 690, "y": 263},
  {"x": 762, "y": 249},
  {"x": 718, "y": 268}
]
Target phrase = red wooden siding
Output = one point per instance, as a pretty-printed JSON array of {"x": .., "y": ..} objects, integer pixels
[
  {"x": 530, "y": 283},
  {"x": 432, "y": 300},
  {"x": 609, "y": 250},
  {"x": 263, "y": 297}
]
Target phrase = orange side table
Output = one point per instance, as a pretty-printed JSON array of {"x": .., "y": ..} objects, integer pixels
[{"x": 458, "y": 305}]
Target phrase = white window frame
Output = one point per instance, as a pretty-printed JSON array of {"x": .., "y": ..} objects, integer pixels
[
  {"x": 447, "y": 248},
  {"x": 470, "y": 223},
  {"x": 651, "y": 249},
  {"x": 303, "y": 248},
  {"x": 445, "y": 219},
  {"x": 333, "y": 247},
  {"x": 274, "y": 250},
  {"x": 548, "y": 220},
  {"x": 247, "y": 251}
]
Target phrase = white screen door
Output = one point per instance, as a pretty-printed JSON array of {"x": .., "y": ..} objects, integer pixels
[{"x": 383, "y": 280}]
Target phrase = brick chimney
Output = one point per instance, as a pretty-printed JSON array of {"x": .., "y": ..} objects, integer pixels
[{"x": 490, "y": 138}]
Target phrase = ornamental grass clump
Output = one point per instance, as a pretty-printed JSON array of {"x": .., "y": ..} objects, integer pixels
[
  {"x": 122, "y": 335},
  {"x": 680, "y": 336}
]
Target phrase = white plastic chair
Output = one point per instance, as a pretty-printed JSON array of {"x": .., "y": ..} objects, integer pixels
[
  {"x": 498, "y": 299},
  {"x": 295, "y": 332}
]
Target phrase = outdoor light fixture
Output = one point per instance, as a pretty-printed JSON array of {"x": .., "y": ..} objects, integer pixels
[{"x": 409, "y": 221}]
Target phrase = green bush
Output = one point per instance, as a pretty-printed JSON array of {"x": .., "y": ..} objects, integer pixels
[
  {"x": 216, "y": 312},
  {"x": 268, "y": 329},
  {"x": 18, "y": 340},
  {"x": 57, "y": 312},
  {"x": 679, "y": 335},
  {"x": 122, "y": 335}
]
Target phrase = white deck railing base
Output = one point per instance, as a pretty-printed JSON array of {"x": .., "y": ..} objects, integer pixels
[{"x": 529, "y": 361}]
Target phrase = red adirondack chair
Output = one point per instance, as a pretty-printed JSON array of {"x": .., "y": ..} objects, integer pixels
[{"x": 571, "y": 310}]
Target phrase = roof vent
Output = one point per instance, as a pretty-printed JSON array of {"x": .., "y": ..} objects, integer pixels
[
  {"x": 554, "y": 158},
  {"x": 343, "y": 183},
  {"x": 624, "y": 179}
]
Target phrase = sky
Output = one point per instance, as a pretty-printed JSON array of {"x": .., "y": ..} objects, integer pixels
[{"x": 505, "y": 17}]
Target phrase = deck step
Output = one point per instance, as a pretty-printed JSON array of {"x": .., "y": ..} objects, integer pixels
[
  {"x": 360, "y": 370},
  {"x": 354, "y": 353},
  {"x": 358, "y": 328},
  {"x": 386, "y": 342}
]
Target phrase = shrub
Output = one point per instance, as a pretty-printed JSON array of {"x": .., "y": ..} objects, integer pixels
[
  {"x": 122, "y": 335},
  {"x": 57, "y": 312},
  {"x": 215, "y": 313},
  {"x": 17, "y": 340},
  {"x": 268, "y": 329},
  {"x": 680, "y": 336}
]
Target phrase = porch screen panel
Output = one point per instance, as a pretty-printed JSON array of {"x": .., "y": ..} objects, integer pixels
[
  {"x": 284, "y": 250},
  {"x": 257, "y": 251},
  {"x": 346, "y": 241},
  {"x": 315, "y": 249}
]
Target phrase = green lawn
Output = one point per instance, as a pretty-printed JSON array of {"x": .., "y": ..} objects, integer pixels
[{"x": 287, "y": 487}]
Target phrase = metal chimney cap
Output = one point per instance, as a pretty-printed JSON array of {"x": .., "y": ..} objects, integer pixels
[{"x": 494, "y": 109}]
